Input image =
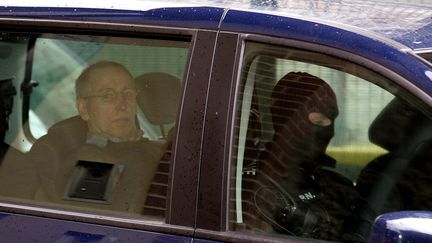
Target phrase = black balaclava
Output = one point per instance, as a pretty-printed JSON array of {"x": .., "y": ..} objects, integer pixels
[{"x": 295, "y": 97}]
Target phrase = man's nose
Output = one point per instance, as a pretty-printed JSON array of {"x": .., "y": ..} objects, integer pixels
[{"x": 121, "y": 101}]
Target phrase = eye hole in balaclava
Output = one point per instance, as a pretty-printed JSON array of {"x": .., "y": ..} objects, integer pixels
[
  {"x": 319, "y": 119},
  {"x": 304, "y": 108}
]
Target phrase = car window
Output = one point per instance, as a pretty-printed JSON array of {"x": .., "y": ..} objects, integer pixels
[
  {"x": 99, "y": 115},
  {"x": 58, "y": 62},
  {"x": 323, "y": 146}
]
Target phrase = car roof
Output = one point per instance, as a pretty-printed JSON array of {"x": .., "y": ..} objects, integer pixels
[
  {"x": 409, "y": 24},
  {"x": 376, "y": 34}
]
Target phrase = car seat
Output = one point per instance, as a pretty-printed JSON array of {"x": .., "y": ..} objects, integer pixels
[
  {"x": 158, "y": 97},
  {"x": 399, "y": 179}
]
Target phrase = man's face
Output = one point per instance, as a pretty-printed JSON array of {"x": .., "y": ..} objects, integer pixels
[{"x": 109, "y": 107}]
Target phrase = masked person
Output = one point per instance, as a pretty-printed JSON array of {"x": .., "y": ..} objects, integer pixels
[
  {"x": 308, "y": 198},
  {"x": 99, "y": 159}
]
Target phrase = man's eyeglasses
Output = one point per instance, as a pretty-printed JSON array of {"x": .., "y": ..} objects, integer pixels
[{"x": 110, "y": 96}]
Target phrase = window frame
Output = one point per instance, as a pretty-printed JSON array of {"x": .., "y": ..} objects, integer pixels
[{"x": 179, "y": 219}]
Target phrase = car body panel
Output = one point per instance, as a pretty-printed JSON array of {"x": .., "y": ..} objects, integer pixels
[
  {"x": 33, "y": 229},
  {"x": 406, "y": 226}
]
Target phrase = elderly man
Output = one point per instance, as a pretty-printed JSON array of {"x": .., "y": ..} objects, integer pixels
[
  {"x": 106, "y": 100},
  {"x": 109, "y": 165}
]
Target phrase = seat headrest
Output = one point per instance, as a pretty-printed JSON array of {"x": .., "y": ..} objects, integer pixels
[
  {"x": 158, "y": 96},
  {"x": 397, "y": 125}
]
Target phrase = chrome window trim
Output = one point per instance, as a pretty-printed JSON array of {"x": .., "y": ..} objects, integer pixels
[
  {"x": 418, "y": 54},
  {"x": 237, "y": 76},
  {"x": 74, "y": 25},
  {"x": 422, "y": 50}
]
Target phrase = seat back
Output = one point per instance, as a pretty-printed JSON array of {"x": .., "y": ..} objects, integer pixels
[
  {"x": 158, "y": 97},
  {"x": 399, "y": 127},
  {"x": 385, "y": 183},
  {"x": 406, "y": 134}
]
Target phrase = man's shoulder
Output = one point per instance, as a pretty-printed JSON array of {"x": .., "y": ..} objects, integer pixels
[{"x": 65, "y": 135}]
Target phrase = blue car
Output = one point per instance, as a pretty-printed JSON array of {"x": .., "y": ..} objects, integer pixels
[{"x": 215, "y": 121}]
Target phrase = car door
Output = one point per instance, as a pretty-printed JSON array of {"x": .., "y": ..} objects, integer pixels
[
  {"x": 298, "y": 135},
  {"x": 40, "y": 61}
]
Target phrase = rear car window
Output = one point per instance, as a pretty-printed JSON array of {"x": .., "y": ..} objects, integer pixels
[{"x": 101, "y": 144}]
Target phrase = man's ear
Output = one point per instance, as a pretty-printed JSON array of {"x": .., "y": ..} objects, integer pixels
[{"x": 81, "y": 106}]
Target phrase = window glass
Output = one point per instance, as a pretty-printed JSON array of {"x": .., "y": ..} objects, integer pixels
[
  {"x": 314, "y": 138},
  {"x": 58, "y": 62},
  {"x": 427, "y": 56},
  {"x": 101, "y": 114}
]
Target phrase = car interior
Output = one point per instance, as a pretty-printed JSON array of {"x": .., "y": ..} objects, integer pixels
[
  {"x": 158, "y": 101},
  {"x": 337, "y": 195}
]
